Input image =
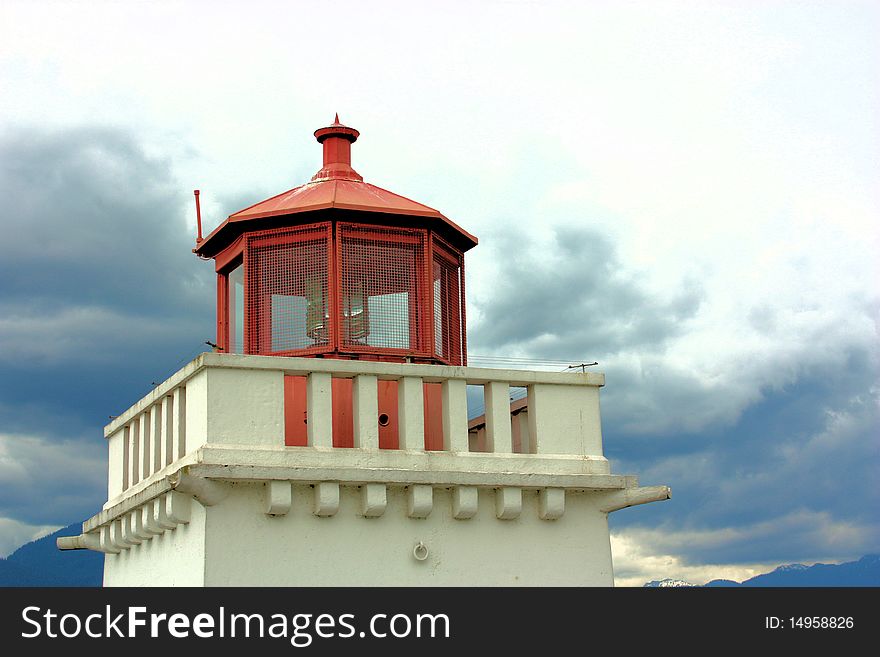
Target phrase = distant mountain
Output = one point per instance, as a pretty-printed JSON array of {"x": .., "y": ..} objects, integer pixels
[
  {"x": 41, "y": 563},
  {"x": 864, "y": 572}
]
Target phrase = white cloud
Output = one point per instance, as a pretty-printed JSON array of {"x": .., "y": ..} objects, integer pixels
[
  {"x": 642, "y": 554},
  {"x": 50, "y": 481},
  {"x": 637, "y": 563}
]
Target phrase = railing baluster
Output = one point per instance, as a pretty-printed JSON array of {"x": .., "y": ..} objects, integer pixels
[
  {"x": 146, "y": 454},
  {"x": 125, "y": 448},
  {"x": 135, "y": 451},
  {"x": 168, "y": 430},
  {"x": 497, "y": 403},
  {"x": 158, "y": 438},
  {"x": 455, "y": 430},
  {"x": 365, "y": 408},
  {"x": 411, "y": 413},
  {"x": 180, "y": 420},
  {"x": 319, "y": 403}
]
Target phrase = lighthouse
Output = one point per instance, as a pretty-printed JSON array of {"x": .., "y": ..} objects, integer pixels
[{"x": 326, "y": 440}]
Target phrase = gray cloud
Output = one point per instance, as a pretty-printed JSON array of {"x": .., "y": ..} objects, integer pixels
[
  {"x": 580, "y": 302},
  {"x": 100, "y": 296},
  {"x": 90, "y": 220},
  {"x": 95, "y": 259},
  {"x": 44, "y": 480},
  {"x": 801, "y": 535},
  {"x": 793, "y": 478}
]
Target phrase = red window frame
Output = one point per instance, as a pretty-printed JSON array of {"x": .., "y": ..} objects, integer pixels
[
  {"x": 417, "y": 295},
  {"x": 224, "y": 263},
  {"x": 452, "y": 308}
]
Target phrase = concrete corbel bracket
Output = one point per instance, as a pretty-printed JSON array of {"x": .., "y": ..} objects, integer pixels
[
  {"x": 419, "y": 501},
  {"x": 160, "y": 514},
  {"x": 508, "y": 503},
  {"x": 464, "y": 502},
  {"x": 128, "y": 529},
  {"x": 374, "y": 499},
  {"x": 326, "y": 499},
  {"x": 278, "y": 498},
  {"x": 178, "y": 508},
  {"x": 551, "y": 503},
  {"x": 206, "y": 491},
  {"x": 117, "y": 535},
  {"x": 150, "y": 519},
  {"x": 137, "y": 525},
  {"x": 107, "y": 544}
]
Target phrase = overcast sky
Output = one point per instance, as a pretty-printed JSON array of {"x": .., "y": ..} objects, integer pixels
[{"x": 685, "y": 192}]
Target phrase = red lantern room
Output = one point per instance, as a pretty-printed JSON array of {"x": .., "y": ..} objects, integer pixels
[{"x": 340, "y": 268}]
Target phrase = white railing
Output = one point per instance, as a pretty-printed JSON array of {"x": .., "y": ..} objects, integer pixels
[
  {"x": 226, "y": 399},
  {"x": 152, "y": 437}
]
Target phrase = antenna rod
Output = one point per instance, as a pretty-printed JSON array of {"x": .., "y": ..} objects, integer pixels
[{"x": 198, "y": 216}]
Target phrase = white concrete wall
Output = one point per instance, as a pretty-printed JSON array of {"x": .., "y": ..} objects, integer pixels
[
  {"x": 173, "y": 558},
  {"x": 222, "y": 418},
  {"x": 564, "y": 419},
  {"x": 246, "y": 547},
  {"x": 244, "y": 407}
]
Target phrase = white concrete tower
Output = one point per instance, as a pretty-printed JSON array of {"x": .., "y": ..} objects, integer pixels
[{"x": 326, "y": 441}]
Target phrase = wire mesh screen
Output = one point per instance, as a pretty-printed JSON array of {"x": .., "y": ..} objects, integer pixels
[
  {"x": 382, "y": 291},
  {"x": 288, "y": 297},
  {"x": 448, "y": 301}
]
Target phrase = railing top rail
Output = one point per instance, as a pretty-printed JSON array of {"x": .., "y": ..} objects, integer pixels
[
  {"x": 428, "y": 373},
  {"x": 294, "y": 366}
]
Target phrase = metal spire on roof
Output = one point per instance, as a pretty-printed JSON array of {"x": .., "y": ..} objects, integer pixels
[{"x": 337, "y": 140}]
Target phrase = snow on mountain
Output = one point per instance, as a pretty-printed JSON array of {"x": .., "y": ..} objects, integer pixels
[
  {"x": 664, "y": 583},
  {"x": 864, "y": 572}
]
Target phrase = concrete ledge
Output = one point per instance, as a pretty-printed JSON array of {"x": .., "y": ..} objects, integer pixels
[
  {"x": 409, "y": 461},
  {"x": 328, "y": 468}
]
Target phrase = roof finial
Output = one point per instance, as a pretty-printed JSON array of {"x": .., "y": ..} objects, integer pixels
[{"x": 337, "y": 140}]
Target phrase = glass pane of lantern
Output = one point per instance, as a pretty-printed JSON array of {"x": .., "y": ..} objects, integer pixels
[
  {"x": 447, "y": 305},
  {"x": 287, "y": 286},
  {"x": 289, "y": 323},
  {"x": 438, "y": 313},
  {"x": 235, "y": 306},
  {"x": 381, "y": 287},
  {"x": 389, "y": 314}
]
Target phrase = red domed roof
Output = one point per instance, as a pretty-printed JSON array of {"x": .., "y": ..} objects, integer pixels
[{"x": 338, "y": 186}]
